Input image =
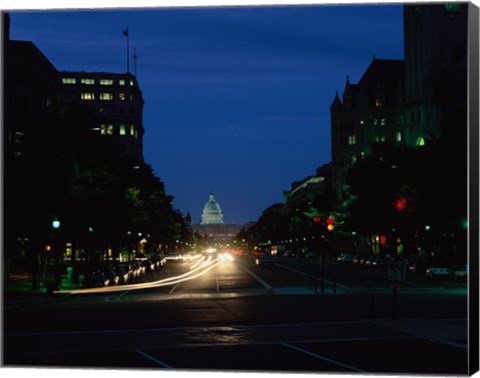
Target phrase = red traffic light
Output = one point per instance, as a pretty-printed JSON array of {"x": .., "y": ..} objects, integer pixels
[
  {"x": 329, "y": 221},
  {"x": 401, "y": 204}
]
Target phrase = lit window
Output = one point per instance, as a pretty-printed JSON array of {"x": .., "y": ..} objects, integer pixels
[
  {"x": 378, "y": 102},
  {"x": 375, "y": 122},
  {"x": 122, "y": 96},
  {"x": 123, "y": 130},
  {"x": 132, "y": 130},
  {"x": 352, "y": 140},
  {"x": 354, "y": 159},
  {"x": 106, "y": 82},
  {"x": 132, "y": 83},
  {"x": 398, "y": 136},
  {"x": 106, "y": 129},
  {"x": 121, "y": 82},
  {"x": 452, "y": 7},
  {"x": 88, "y": 81},
  {"x": 106, "y": 96},
  {"x": 420, "y": 142},
  {"x": 383, "y": 138},
  {"x": 88, "y": 96},
  {"x": 384, "y": 121},
  {"x": 69, "y": 80},
  {"x": 362, "y": 122}
]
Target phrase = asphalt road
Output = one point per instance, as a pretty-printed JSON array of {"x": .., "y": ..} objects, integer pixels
[{"x": 239, "y": 317}]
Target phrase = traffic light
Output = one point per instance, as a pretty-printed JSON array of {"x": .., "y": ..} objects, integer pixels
[
  {"x": 55, "y": 223},
  {"x": 401, "y": 204},
  {"x": 329, "y": 223}
]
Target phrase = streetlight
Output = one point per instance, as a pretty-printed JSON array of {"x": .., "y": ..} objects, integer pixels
[
  {"x": 56, "y": 250},
  {"x": 56, "y": 223}
]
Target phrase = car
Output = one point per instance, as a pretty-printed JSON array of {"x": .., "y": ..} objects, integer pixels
[
  {"x": 139, "y": 268},
  {"x": 437, "y": 271},
  {"x": 149, "y": 265},
  {"x": 461, "y": 274},
  {"x": 378, "y": 261},
  {"x": 95, "y": 278},
  {"x": 113, "y": 278},
  {"x": 345, "y": 258},
  {"x": 264, "y": 260},
  {"x": 123, "y": 275}
]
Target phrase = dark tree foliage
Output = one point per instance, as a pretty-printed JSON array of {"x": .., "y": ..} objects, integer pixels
[{"x": 69, "y": 171}]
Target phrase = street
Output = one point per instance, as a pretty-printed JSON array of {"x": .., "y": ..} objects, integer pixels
[{"x": 234, "y": 315}]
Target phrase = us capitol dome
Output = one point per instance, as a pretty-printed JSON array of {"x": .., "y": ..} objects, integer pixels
[
  {"x": 212, "y": 226},
  {"x": 212, "y": 213}
]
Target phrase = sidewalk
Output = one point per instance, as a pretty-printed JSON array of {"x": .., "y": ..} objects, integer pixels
[
  {"x": 17, "y": 289},
  {"x": 444, "y": 331}
]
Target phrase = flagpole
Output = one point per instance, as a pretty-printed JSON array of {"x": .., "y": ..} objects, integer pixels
[
  {"x": 128, "y": 51},
  {"x": 135, "y": 60}
]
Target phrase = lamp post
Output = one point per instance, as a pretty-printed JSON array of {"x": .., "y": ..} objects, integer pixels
[{"x": 56, "y": 226}]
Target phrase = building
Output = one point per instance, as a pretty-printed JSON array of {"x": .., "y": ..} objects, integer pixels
[
  {"x": 369, "y": 112},
  {"x": 212, "y": 226},
  {"x": 38, "y": 92},
  {"x": 31, "y": 94},
  {"x": 115, "y": 102},
  {"x": 212, "y": 213},
  {"x": 308, "y": 190},
  {"x": 435, "y": 49},
  {"x": 406, "y": 103}
]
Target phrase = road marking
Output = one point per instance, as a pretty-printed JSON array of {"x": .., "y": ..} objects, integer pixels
[
  {"x": 310, "y": 276},
  {"x": 323, "y": 358},
  {"x": 153, "y": 359},
  {"x": 262, "y": 282},
  {"x": 173, "y": 289}
]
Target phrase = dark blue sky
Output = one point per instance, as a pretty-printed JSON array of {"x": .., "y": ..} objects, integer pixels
[{"x": 236, "y": 98}]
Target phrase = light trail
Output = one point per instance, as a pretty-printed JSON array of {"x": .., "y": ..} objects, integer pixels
[{"x": 199, "y": 269}]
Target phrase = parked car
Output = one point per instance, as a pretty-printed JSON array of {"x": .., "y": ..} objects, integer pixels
[
  {"x": 138, "y": 268},
  {"x": 264, "y": 260},
  {"x": 159, "y": 261},
  {"x": 123, "y": 276},
  {"x": 437, "y": 271},
  {"x": 345, "y": 258},
  {"x": 95, "y": 278},
  {"x": 461, "y": 274},
  {"x": 113, "y": 278},
  {"x": 378, "y": 261}
]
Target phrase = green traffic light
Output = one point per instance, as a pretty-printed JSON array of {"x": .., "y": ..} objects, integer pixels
[{"x": 56, "y": 223}]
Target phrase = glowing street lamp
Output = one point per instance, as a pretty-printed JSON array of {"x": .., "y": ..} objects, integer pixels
[{"x": 56, "y": 223}]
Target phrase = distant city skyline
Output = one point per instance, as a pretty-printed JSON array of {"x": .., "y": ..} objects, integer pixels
[{"x": 236, "y": 98}]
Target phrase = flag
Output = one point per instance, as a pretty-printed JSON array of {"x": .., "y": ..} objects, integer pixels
[{"x": 125, "y": 32}]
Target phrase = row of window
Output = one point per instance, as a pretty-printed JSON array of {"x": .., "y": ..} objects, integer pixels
[
  {"x": 352, "y": 139},
  {"x": 123, "y": 129},
  {"x": 415, "y": 116},
  {"x": 107, "y": 82},
  {"x": 105, "y": 96}
]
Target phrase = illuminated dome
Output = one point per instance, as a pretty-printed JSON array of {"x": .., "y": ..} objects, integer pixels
[{"x": 212, "y": 213}]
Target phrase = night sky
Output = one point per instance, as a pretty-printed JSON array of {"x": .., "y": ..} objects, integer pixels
[{"x": 236, "y": 98}]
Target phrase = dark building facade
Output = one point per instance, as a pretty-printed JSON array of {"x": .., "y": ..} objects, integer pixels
[
  {"x": 369, "y": 112},
  {"x": 115, "y": 103},
  {"x": 37, "y": 91},
  {"x": 411, "y": 102},
  {"x": 435, "y": 47}
]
